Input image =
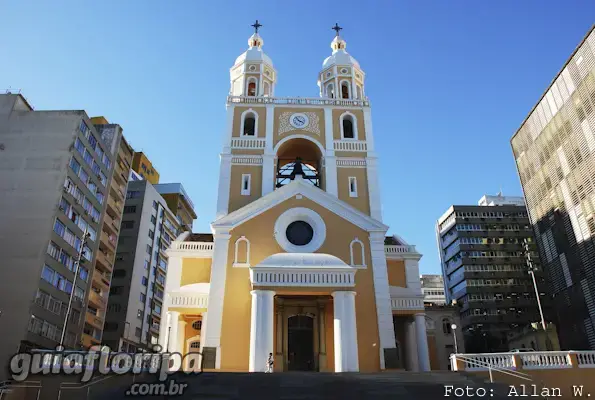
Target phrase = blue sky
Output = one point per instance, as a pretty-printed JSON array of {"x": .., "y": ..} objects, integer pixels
[{"x": 449, "y": 81}]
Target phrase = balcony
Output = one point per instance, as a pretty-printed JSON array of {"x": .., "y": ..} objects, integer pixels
[
  {"x": 317, "y": 101},
  {"x": 88, "y": 340},
  {"x": 155, "y": 327},
  {"x": 112, "y": 225},
  {"x": 97, "y": 300},
  {"x": 102, "y": 279},
  {"x": 104, "y": 261},
  {"x": 114, "y": 206},
  {"x": 110, "y": 240},
  {"x": 94, "y": 321},
  {"x": 160, "y": 280}
]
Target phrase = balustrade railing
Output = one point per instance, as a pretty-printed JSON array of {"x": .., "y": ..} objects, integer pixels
[
  {"x": 247, "y": 143},
  {"x": 395, "y": 249},
  {"x": 350, "y": 145},
  {"x": 586, "y": 359},
  {"x": 303, "y": 278},
  {"x": 188, "y": 300},
  {"x": 298, "y": 101},
  {"x": 195, "y": 246},
  {"x": 546, "y": 360},
  {"x": 407, "y": 303}
]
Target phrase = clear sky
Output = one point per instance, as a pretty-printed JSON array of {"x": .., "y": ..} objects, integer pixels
[{"x": 449, "y": 81}]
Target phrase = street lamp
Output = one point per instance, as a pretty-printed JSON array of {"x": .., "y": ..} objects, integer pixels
[
  {"x": 532, "y": 273},
  {"x": 77, "y": 264},
  {"x": 454, "y": 334}
]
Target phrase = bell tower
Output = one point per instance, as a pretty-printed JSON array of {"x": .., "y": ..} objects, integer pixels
[{"x": 253, "y": 73}]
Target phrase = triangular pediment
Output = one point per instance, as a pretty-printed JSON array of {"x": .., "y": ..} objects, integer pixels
[{"x": 309, "y": 191}]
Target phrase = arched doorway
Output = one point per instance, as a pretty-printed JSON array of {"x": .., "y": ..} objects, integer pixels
[
  {"x": 299, "y": 150},
  {"x": 300, "y": 343}
]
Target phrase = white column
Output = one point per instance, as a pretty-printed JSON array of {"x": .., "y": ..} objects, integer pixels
[
  {"x": 224, "y": 185},
  {"x": 212, "y": 335},
  {"x": 261, "y": 329},
  {"x": 384, "y": 311},
  {"x": 173, "y": 331},
  {"x": 369, "y": 130},
  {"x": 181, "y": 337},
  {"x": 268, "y": 173},
  {"x": 330, "y": 161},
  {"x": 345, "y": 332},
  {"x": 229, "y": 128},
  {"x": 412, "y": 363},
  {"x": 164, "y": 327},
  {"x": 423, "y": 354},
  {"x": 373, "y": 188},
  {"x": 203, "y": 329}
]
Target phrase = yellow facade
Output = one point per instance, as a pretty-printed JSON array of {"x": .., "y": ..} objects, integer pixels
[
  {"x": 297, "y": 265},
  {"x": 144, "y": 167}
]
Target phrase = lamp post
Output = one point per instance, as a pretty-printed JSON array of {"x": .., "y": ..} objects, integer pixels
[
  {"x": 454, "y": 333},
  {"x": 531, "y": 269},
  {"x": 77, "y": 264}
]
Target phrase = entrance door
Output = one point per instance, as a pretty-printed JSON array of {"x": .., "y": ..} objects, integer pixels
[{"x": 300, "y": 343}]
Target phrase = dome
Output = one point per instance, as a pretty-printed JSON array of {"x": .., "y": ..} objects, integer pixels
[
  {"x": 302, "y": 260},
  {"x": 254, "y": 53},
  {"x": 339, "y": 56}
]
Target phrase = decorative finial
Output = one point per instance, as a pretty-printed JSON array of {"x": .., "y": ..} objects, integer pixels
[
  {"x": 256, "y": 25},
  {"x": 336, "y": 28}
]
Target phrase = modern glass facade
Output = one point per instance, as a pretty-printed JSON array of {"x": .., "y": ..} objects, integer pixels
[{"x": 554, "y": 153}]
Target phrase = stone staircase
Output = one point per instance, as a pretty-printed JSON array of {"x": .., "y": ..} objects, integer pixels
[{"x": 285, "y": 386}]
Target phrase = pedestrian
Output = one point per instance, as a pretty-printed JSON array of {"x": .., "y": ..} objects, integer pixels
[{"x": 270, "y": 363}]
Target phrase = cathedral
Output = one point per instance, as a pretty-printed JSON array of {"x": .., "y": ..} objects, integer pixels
[{"x": 298, "y": 263}]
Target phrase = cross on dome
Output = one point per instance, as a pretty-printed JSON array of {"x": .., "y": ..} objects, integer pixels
[
  {"x": 336, "y": 28},
  {"x": 256, "y": 25}
]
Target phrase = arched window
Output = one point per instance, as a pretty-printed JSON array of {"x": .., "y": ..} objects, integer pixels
[
  {"x": 242, "y": 252},
  {"x": 344, "y": 90},
  {"x": 446, "y": 326},
  {"x": 267, "y": 89},
  {"x": 356, "y": 249},
  {"x": 347, "y": 125},
  {"x": 249, "y": 125},
  {"x": 330, "y": 91},
  {"x": 359, "y": 91},
  {"x": 252, "y": 87}
]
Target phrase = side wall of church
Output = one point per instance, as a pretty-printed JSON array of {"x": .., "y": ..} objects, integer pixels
[
  {"x": 235, "y": 332},
  {"x": 362, "y": 201}
]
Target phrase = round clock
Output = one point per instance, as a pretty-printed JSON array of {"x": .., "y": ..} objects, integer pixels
[{"x": 299, "y": 120}]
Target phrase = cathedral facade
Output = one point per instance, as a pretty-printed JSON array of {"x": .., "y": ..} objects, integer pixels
[{"x": 298, "y": 263}]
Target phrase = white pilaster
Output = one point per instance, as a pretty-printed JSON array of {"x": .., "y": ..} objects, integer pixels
[
  {"x": 373, "y": 188},
  {"x": 164, "y": 327},
  {"x": 412, "y": 363},
  {"x": 181, "y": 336},
  {"x": 422, "y": 342},
  {"x": 212, "y": 335},
  {"x": 229, "y": 128},
  {"x": 330, "y": 161},
  {"x": 268, "y": 173},
  {"x": 173, "y": 331},
  {"x": 203, "y": 329},
  {"x": 261, "y": 329},
  {"x": 412, "y": 275},
  {"x": 224, "y": 185},
  {"x": 345, "y": 332},
  {"x": 384, "y": 311},
  {"x": 369, "y": 130}
]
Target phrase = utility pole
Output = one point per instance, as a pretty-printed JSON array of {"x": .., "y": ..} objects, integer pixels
[
  {"x": 77, "y": 264},
  {"x": 531, "y": 270}
]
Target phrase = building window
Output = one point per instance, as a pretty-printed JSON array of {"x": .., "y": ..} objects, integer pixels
[
  {"x": 133, "y": 194},
  {"x": 144, "y": 281},
  {"x": 358, "y": 92},
  {"x": 149, "y": 249},
  {"x": 345, "y": 90},
  {"x": 146, "y": 264},
  {"x": 143, "y": 298},
  {"x": 129, "y": 209},
  {"x": 139, "y": 314},
  {"x": 127, "y": 224},
  {"x": 137, "y": 332},
  {"x": 197, "y": 325},
  {"x": 249, "y": 124},
  {"x": 352, "y": 186},
  {"x": 75, "y": 166},
  {"x": 267, "y": 89},
  {"x": 151, "y": 234},
  {"x": 348, "y": 126},
  {"x": 153, "y": 219},
  {"x": 446, "y": 326},
  {"x": 245, "y": 185},
  {"x": 252, "y": 87},
  {"x": 155, "y": 204},
  {"x": 330, "y": 91}
]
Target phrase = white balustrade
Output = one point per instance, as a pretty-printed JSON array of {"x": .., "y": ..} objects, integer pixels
[
  {"x": 407, "y": 303},
  {"x": 351, "y": 162},
  {"x": 585, "y": 359},
  {"x": 394, "y": 249},
  {"x": 480, "y": 362},
  {"x": 247, "y": 143},
  {"x": 246, "y": 160},
  {"x": 188, "y": 300},
  {"x": 302, "y": 278},
  {"x": 351, "y": 145},
  {"x": 194, "y": 246},
  {"x": 297, "y": 101},
  {"x": 545, "y": 360}
]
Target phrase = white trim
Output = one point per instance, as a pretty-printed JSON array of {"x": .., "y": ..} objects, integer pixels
[
  {"x": 348, "y": 89},
  {"x": 246, "y": 160},
  {"x": 373, "y": 188},
  {"x": 246, "y": 184},
  {"x": 224, "y": 185},
  {"x": 235, "y": 261},
  {"x": 353, "y": 125},
  {"x": 353, "y": 264},
  {"x": 358, "y": 92},
  {"x": 351, "y": 162},
  {"x": 243, "y": 118},
  {"x": 268, "y": 174},
  {"x": 248, "y": 81},
  {"x": 317, "y": 195},
  {"x": 352, "y": 182},
  {"x": 299, "y": 136},
  {"x": 326, "y": 91},
  {"x": 300, "y": 214},
  {"x": 264, "y": 87}
]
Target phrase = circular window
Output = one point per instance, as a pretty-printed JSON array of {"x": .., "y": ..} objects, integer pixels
[
  {"x": 299, "y": 233},
  {"x": 328, "y": 74},
  {"x": 252, "y": 68},
  {"x": 344, "y": 71},
  {"x": 300, "y": 230}
]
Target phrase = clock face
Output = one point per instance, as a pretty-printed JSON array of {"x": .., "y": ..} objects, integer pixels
[{"x": 298, "y": 121}]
